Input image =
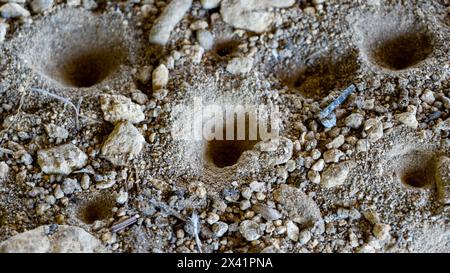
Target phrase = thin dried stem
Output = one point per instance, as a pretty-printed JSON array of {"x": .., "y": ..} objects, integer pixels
[
  {"x": 62, "y": 99},
  {"x": 195, "y": 225},
  {"x": 124, "y": 224}
]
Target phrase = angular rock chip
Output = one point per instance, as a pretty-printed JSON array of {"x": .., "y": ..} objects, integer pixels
[
  {"x": 292, "y": 231},
  {"x": 61, "y": 159},
  {"x": 267, "y": 212},
  {"x": 250, "y": 230},
  {"x": 210, "y": 4},
  {"x": 336, "y": 174},
  {"x": 444, "y": 125},
  {"x": 3, "y": 30},
  {"x": 443, "y": 179},
  {"x": 53, "y": 239},
  {"x": 300, "y": 207},
  {"x": 408, "y": 118},
  {"x": 279, "y": 150},
  {"x": 374, "y": 129},
  {"x": 240, "y": 65},
  {"x": 4, "y": 170},
  {"x": 124, "y": 143},
  {"x": 13, "y": 10},
  {"x": 160, "y": 77},
  {"x": 120, "y": 108},
  {"x": 55, "y": 131},
  {"x": 251, "y": 15},
  {"x": 39, "y": 6},
  {"x": 172, "y": 14}
]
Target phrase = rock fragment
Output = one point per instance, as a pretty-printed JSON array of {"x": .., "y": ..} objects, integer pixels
[
  {"x": 139, "y": 97},
  {"x": 53, "y": 239},
  {"x": 212, "y": 218},
  {"x": 199, "y": 25},
  {"x": 39, "y": 6},
  {"x": 279, "y": 150},
  {"x": 172, "y": 14},
  {"x": 219, "y": 229},
  {"x": 69, "y": 186},
  {"x": 250, "y": 230},
  {"x": 442, "y": 178},
  {"x": 256, "y": 186},
  {"x": 120, "y": 108},
  {"x": 210, "y": 4},
  {"x": 3, "y": 30},
  {"x": 240, "y": 65},
  {"x": 300, "y": 208},
  {"x": 409, "y": 117},
  {"x": 372, "y": 217},
  {"x": 314, "y": 177},
  {"x": 292, "y": 231},
  {"x": 55, "y": 131},
  {"x": 122, "y": 197},
  {"x": 124, "y": 143},
  {"x": 362, "y": 145},
  {"x": 144, "y": 74},
  {"x": 318, "y": 166},
  {"x": 428, "y": 97},
  {"x": 85, "y": 182},
  {"x": 267, "y": 212},
  {"x": 354, "y": 121},
  {"x": 13, "y": 10},
  {"x": 304, "y": 237},
  {"x": 90, "y": 4},
  {"x": 58, "y": 192},
  {"x": 160, "y": 77},
  {"x": 332, "y": 156},
  {"x": 251, "y": 15},
  {"x": 205, "y": 39},
  {"x": 336, "y": 142},
  {"x": 4, "y": 170},
  {"x": 336, "y": 174},
  {"x": 374, "y": 129},
  {"x": 197, "y": 54},
  {"x": 62, "y": 159},
  {"x": 444, "y": 125}
]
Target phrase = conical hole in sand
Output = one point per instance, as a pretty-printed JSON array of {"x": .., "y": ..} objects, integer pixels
[
  {"x": 86, "y": 69},
  {"x": 396, "y": 44},
  {"x": 79, "y": 51},
  {"x": 97, "y": 209},
  {"x": 325, "y": 74},
  {"x": 226, "y": 48},
  {"x": 403, "y": 50},
  {"x": 226, "y": 153},
  {"x": 416, "y": 169},
  {"x": 416, "y": 179}
]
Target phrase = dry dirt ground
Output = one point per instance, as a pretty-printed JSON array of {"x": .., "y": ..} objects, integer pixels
[{"x": 91, "y": 90}]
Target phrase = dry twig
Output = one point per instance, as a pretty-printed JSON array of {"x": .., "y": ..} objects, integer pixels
[
  {"x": 196, "y": 229},
  {"x": 124, "y": 224},
  {"x": 62, "y": 99}
]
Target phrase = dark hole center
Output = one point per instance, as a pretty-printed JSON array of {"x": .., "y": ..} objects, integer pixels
[
  {"x": 87, "y": 70},
  {"x": 416, "y": 179},
  {"x": 226, "y": 48},
  {"x": 95, "y": 211},
  {"x": 404, "y": 51},
  {"x": 224, "y": 153}
]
